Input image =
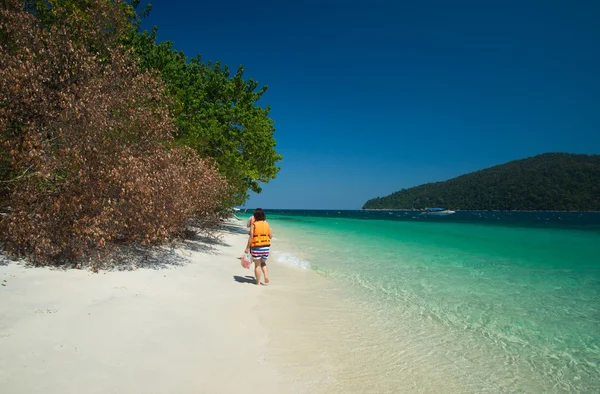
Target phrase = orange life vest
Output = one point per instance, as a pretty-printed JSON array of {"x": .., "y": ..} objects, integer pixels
[{"x": 260, "y": 237}]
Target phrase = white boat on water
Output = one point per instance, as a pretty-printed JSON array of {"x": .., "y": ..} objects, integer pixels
[{"x": 438, "y": 211}]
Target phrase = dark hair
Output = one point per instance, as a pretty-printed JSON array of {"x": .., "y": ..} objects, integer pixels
[{"x": 259, "y": 214}]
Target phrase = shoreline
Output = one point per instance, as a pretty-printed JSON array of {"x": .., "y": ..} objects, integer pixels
[
  {"x": 203, "y": 326},
  {"x": 433, "y": 322},
  {"x": 187, "y": 328},
  {"x": 417, "y": 210},
  {"x": 326, "y": 335},
  {"x": 473, "y": 210}
]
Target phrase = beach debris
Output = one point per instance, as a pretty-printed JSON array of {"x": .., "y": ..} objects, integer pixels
[{"x": 46, "y": 310}]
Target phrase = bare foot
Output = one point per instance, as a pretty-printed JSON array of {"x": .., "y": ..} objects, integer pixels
[{"x": 267, "y": 281}]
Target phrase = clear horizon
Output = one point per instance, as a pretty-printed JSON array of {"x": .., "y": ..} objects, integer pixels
[{"x": 370, "y": 98}]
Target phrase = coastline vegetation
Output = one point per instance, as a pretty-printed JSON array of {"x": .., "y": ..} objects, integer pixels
[
  {"x": 546, "y": 182},
  {"x": 108, "y": 138}
]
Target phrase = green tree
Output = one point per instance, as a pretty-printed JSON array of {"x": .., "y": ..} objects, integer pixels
[
  {"x": 216, "y": 114},
  {"x": 86, "y": 140}
]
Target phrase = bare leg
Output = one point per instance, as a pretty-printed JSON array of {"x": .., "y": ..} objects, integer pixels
[
  {"x": 257, "y": 270},
  {"x": 265, "y": 271}
]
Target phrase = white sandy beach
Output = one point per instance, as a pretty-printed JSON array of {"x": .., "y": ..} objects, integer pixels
[
  {"x": 193, "y": 328},
  {"x": 191, "y": 320}
]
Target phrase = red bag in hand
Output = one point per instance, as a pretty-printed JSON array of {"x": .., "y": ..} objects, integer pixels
[{"x": 246, "y": 261}]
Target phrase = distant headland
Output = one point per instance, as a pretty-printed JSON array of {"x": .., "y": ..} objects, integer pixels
[{"x": 546, "y": 182}]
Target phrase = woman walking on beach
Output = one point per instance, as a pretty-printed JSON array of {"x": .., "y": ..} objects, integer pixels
[{"x": 259, "y": 244}]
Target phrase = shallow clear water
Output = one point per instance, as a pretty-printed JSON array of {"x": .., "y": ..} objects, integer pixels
[{"x": 510, "y": 301}]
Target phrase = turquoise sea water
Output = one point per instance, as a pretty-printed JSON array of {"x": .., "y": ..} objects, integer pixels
[{"x": 511, "y": 300}]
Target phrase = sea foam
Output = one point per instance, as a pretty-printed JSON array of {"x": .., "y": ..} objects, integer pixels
[{"x": 288, "y": 258}]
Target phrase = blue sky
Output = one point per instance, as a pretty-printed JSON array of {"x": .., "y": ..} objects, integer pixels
[{"x": 369, "y": 97}]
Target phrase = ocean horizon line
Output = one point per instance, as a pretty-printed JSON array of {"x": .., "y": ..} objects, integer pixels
[{"x": 412, "y": 210}]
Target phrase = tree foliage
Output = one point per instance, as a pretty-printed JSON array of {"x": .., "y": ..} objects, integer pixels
[
  {"x": 217, "y": 114},
  {"x": 549, "y": 182},
  {"x": 87, "y": 138}
]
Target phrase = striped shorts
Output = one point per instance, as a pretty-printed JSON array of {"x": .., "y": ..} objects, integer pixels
[{"x": 260, "y": 252}]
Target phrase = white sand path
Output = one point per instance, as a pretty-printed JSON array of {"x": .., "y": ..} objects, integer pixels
[{"x": 188, "y": 329}]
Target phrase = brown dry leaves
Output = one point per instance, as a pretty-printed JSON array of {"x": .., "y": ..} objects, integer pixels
[{"x": 87, "y": 138}]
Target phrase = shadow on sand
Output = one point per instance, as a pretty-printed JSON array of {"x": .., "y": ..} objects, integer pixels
[
  {"x": 175, "y": 254},
  {"x": 245, "y": 279},
  {"x": 202, "y": 243},
  {"x": 131, "y": 257},
  {"x": 234, "y": 229}
]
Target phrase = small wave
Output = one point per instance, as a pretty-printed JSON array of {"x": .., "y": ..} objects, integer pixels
[{"x": 290, "y": 259}]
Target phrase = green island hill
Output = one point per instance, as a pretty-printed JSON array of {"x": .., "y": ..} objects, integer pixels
[{"x": 546, "y": 182}]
